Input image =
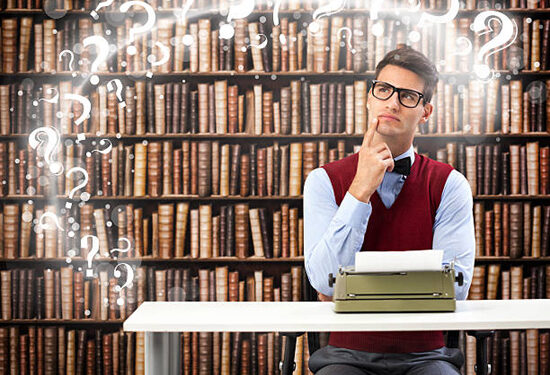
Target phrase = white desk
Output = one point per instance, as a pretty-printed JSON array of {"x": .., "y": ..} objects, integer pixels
[{"x": 162, "y": 320}]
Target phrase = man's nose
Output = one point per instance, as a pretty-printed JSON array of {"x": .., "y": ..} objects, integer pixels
[{"x": 393, "y": 101}]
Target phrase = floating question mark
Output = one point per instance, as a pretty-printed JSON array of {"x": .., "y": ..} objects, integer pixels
[
  {"x": 102, "y": 48},
  {"x": 183, "y": 12},
  {"x": 165, "y": 55},
  {"x": 276, "y": 7},
  {"x": 118, "y": 84},
  {"x": 349, "y": 34},
  {"x": 128, "y": 282},
  {"x": 443, "y": 18},
  {"x": 43, "y": 225},
  {"x": 105, "y": 151},
  {"x": 79, "y": 186},
  {"x": 67, "y": 51},
  {"x": 103, "y": 4},
  {"x": 238, "y": 11},
  {"x": 92, "y": 253},
  {"x": 504, "y": 39},
  {"x": 151, "y": 19},
  {"x": 128, "y": 246},
  {"x": 324, "y": 11},
  {"x": 51, "y": 142},
  {"x": 53, "y": 100},
  {"x": 259, "y": 45},
  {"x": 375, "y": 7},
  {"x": 87, "y": 109}
]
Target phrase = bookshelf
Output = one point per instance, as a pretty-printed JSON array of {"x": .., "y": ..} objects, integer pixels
[{"x": 285, "y": 122}]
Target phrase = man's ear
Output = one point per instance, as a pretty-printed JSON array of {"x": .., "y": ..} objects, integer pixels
[{"x": 426, "y": 113}]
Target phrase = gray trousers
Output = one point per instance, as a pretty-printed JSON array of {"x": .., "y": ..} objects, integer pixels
[{"x": 334, "y": 360}]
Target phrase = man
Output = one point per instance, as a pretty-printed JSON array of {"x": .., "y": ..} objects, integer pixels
[{"x": 371, "y": 201}]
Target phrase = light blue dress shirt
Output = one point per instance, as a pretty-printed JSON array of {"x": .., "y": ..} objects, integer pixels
[{"x": 333, "y": 234}]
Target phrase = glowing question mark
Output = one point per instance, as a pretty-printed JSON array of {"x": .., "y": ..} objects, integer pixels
[
  {"x": 92, "y": 253},
  {"x": 103, "y": 4},
  {"x": 444, "y": 18},
  {"x": 504, "y": 39},
  {"x": 79, "y": 186},
  {"x": 151, "y": 19},
  {"x": 67, "y": 51},
  {"x": 349, "y": 34},
  {"x": 87, "y": 108},
  {"x": 183, "y": 12},
  {"x": 241, "y": 10},
  {"x": 43, "y": 225},
  {"x": 128, "y": 282},
  {"x": 105, "y": 151},
  {"x": 51, "y": 142},
  {"x": 324, "y": 11},
  {"x": 128, "y": 246},
  {"x": 102, "y": 46},
  {"x": 52, "y": 100},
  {"x": 165, "y": 55},
  {"x": 110, "y": 87},
  {"x": 259, "y": 45},
  {"x": 276, "y": 7}
]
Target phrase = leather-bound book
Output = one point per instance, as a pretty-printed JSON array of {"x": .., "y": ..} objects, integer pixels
[
  {"x": 205, "y": 230},
  {"x": 527, "y": 221},
  {"x": 266, "y": 59},
  {"x": 50, "y": 350},
  {"x": 182, "y": 126},
  {"x": 225, "y": 165},
  {"x": 337, "y": 23},
  {"x": 150, "y": 103},
  {"x": 245, "y": 173},
  {"x": 497, "y": 208},
  {"x": 232, "y": 109},
  {"x": 487, "y": 169},
  {"x": 236, "y": 352},
  {"x": 203, "y": 99},
  {"x": 286, "y": 110},
  {"x": 315, "y": 106},
  {"x": 221, "y": 106},
  {"x": 252, "y": 174},
  {"x": 480, "y": 153},
  {"x": 11, "y": 231},
  {"x": 324, "y": 108},
  {"x": 477, "y": 289},
  {"x": 204, "y": 168},
  {"x": 194, "y": 167},
  {"x": 489, "y": 224},
  {"x": 233, "y": 168},
  {"x": 544, "y": 169},
  {"x": 67, "y": 293},
  {"x": 166, "y": 230},
  {"x": 277, "y": 234},
  {"x": 295, "y": 174},
  {"x": 295, "y": 93},
  {"x": 265, "y": 233},
  {"x": 241, "y": 230},
  {"x": 516, "y": 230},
  {"x": 536, "y": 232},
  {"x": 544, "y": 340},
  {"x": 545, "y": 231},
  {"x": 262, "y": 353},
  {"x": 9, "y": 45},
  {"x": 205, "y": 48},
  {"x": 240, "y": 50},
  {"x": 205, "y": 353},
  {"x": 256, "y": 232},
  {"x": 261, "y": 170},
  {"x": 245, "y": 358},
  {"x": 493, "y": 276},
  {"x": 293, "y": 232},
  {"x": 516, "y": 282},
  {"x": 193, "y": 124},
  {"x": 182, "y": 213},
  {"x": 331, "y": 111},
  {"x": 6, "y": 293},
  {"x": 516, "y": 104},
  {"x": 231, "y": 235},
  {"x": 309, "y": 157},
  {"x": 177, "y": 157},
  {"x": 267, "y": 112},
  {"x": 186, "y": 168},
  {"x": 166, "y": 168},
  {"x": 285, "y": 242},
  {"x": 194, "y": 232},
  {"x": 140, "y": 174}
]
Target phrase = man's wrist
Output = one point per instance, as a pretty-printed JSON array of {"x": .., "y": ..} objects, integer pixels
[{"x": 362, "y": 195}]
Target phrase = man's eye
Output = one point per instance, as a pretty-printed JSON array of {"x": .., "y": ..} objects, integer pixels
[
  {"x": 383, "y": 89},
  {"x": 408, "y": 95}
]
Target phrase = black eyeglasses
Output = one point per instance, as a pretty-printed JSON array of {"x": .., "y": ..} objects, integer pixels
[{"x": 384, "y": 91}]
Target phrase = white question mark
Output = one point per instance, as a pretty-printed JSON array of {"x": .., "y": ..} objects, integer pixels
[
  {"x": 41, "y": 222},
  {"x": 183, "y": 12},
  {"x": 102, "y": 48},
  {"x": 165, "y": 55},
  {"x": 51, "y": 142},
  {"x": 85, "y": 112},
  {"x": 504, "y": 39},
  {"x": 349, "y": 34},
  {"x": 128, "y": 246},
  {"x": 54, "y": 99},
  {"x": 67, "y": 51},
  {"x": 151, "y": 19},
  {"x": 118, "y": 84},
  {"x": 276, "y": 7},
  {"x": 79, "y": 186},
  {"x": 323, "y": 11},
  {"x": 375, "y": 8},
  {"x": 92, "y": 253},
  {"x": 259, "y": 45},
  {"x": 103, "y": 4},
  {"x": 241, "y": 10},
  {"x": 444, "y": 18},
  {"x": 128, "y": 282},
  {"x": 105, "y": 151}
]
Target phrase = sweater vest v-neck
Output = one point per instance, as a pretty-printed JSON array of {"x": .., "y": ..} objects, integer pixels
[{"x": 406, "y": 225}]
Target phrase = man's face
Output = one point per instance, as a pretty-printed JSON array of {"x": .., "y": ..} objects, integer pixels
[{"x": 396, "y": 120}]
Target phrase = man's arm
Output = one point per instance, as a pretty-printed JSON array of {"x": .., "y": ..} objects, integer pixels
[
  {"x": 332, "y": 234},
  {"x": 454, "y": 229}
]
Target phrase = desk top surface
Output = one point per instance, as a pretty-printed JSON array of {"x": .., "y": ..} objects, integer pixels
[{"x": 319, "y": 316}]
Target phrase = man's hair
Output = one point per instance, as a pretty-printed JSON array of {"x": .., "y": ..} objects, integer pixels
[{"x": 416, "y": 62}]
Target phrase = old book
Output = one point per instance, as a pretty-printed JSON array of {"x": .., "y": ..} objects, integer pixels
[
  {"x": 241, "y": 230},
  {"x": 256, "y": 232}
]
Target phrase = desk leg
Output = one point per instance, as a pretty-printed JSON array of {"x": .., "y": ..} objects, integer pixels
[{"x": 162, "y": 353}]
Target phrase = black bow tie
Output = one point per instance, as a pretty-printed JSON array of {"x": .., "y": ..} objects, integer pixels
[{"x": 402, "y": 166}]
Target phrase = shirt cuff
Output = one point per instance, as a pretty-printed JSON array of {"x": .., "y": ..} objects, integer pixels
[{"x": 354, "y": 212}]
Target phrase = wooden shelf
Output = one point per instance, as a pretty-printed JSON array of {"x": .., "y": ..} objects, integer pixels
[
  {"x": 456, "y": 137},
  {"x": 114, "y": 322},
  {"x": 151, "y": 261}
]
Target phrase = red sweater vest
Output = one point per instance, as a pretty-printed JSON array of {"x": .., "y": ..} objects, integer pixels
[{"x": 406, "y": 225}]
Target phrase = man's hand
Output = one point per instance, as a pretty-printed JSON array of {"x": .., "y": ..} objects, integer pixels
[
  {"x": 373, "y": 162},
  {"x": 324, "y": 298}
]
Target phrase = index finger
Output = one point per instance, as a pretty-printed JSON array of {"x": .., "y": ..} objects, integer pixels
[{"x": 369, "y": 135}]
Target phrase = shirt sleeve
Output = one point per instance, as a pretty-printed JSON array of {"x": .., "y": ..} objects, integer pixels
[
  {"x": 454, "y": 229},
  {"x": 332, "y": 233}
]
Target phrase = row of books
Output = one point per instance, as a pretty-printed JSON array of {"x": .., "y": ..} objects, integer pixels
[
  {"x": 513, "y": 229},
  {"x": 89, "y": 351},
  {"x": 68, "y": 293},
  {"x": 501, "y": 169},
  {"x": 352, "y": 43},
  {"x": 496, "y": 281},
  {"x": 211, "y": 168},
  {"x": 60, "y": 350},
  {"x": 196, "y": 232},
  {"x": 300, "y": 107},
  {"x": 287, "y": 5}
]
